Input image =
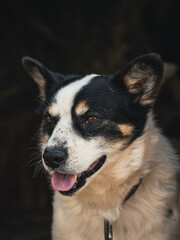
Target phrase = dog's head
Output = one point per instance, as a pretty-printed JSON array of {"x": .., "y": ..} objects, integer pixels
[{"x": 86, "y": 119}]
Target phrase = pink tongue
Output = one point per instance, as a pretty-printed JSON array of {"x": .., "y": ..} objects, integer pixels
[{"x": 62, "y": 182}]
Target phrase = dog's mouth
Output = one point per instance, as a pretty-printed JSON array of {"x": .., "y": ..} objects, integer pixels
[{"x": 68, "y": 184}]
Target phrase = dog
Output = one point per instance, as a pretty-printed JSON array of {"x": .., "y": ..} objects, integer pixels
[{"x": 107, "y": 160}]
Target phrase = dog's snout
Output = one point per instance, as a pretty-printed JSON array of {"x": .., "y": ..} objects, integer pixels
[{"x": 53, "y": 158}]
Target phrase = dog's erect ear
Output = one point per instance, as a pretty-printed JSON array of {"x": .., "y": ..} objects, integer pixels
[
  {"x": 45, "y": 79},
  {"x": 142, "y": 77}
]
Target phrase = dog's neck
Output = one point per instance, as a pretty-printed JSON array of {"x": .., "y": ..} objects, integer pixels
[
  {"x": 108, "y": 229},
  {"x": 105, "y": 194}
]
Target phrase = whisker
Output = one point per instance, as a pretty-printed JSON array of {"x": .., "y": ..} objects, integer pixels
[
  {"x": 35, "y": 135},
  {"x": 32, "y": 148},
  {"x": 38, "y": 168},
  {"x": 37, "y": 157}
]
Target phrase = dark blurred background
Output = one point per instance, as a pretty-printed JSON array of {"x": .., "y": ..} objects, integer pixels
[{"x": 69, "y": 37}]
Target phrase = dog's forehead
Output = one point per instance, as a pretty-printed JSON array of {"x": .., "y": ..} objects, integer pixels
[{"x": 64, "y": 99}]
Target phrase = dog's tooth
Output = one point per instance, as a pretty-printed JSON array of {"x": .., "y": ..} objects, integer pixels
[{"x": 75, "y": 178}]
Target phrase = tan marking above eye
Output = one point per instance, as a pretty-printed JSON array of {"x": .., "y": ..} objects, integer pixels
[
  {"x": 53, "y": 110},
  {"x": 126, "y": 129},
  {"x": 81, "y": 108}
]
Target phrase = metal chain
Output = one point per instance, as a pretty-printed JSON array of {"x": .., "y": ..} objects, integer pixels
[{"x": 108, "y": 232}]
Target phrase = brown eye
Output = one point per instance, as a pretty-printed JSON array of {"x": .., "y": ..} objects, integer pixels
[
  {"x": 49, "y": 119},
  {"x": 92, "y": 120}
]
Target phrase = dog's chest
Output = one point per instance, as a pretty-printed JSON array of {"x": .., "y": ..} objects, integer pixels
[{"x": 72, "y": 221}]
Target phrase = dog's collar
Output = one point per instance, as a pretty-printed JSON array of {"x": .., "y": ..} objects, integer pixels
[
  {"x": 132, "y": 191},
  {"x": 108, "y": 230}
]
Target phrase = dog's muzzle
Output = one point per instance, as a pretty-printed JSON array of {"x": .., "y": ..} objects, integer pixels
[{"x": 68, "y": 184}]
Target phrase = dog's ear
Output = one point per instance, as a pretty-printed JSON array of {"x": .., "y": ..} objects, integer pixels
[
  {"x": 46, "y": 79},
  {"x": 142, "y": 77}
]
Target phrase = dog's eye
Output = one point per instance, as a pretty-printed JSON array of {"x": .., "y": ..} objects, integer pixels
[
  {"x": 49, "y": 119},
  {"x": 92, "y": 120}
]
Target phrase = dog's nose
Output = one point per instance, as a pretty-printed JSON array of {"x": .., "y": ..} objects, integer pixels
[{"x": 53, "y": 158}]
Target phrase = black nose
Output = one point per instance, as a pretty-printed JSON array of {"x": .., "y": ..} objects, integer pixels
[{"x": 53, "y": 158}]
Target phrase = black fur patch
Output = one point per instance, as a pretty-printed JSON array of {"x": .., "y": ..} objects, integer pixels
[{"x": 113, "y": 105}]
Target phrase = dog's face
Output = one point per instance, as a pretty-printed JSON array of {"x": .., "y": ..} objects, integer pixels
[{"x": 89, "y": 119}]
